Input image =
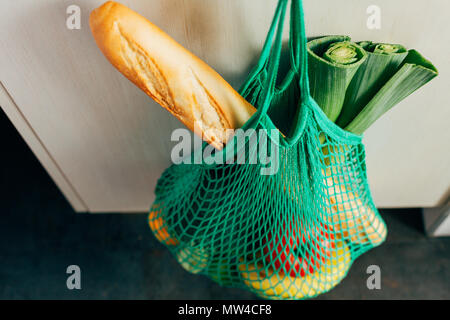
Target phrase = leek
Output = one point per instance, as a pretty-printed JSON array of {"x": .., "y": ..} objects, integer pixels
[
  {"x": 414, "y": 72},
  {"x": 381, "y": 64},
  {"x": 354, "y": 89},
  {"x": 333, "y": 62},
  {"x": 356, "y": 83}
]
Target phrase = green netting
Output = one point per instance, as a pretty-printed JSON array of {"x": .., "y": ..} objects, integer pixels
[{"x": 289, "y": 235}]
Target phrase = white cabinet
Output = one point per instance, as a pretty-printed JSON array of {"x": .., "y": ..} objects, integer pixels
[{"x": 105, "y": 143}]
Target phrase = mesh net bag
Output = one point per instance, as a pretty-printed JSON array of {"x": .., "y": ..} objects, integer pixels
[{"x": 289, "y": 228}]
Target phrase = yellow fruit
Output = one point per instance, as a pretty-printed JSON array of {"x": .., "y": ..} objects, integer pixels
[
  {"x": 192, "y": 259},
  {"x": 268, "y": 284},
  {"x": 159, "y": 227},
  {"x": 351, "y": 219}
]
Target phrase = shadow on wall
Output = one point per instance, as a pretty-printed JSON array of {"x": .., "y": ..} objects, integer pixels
[{"x": 203, "y": 30}]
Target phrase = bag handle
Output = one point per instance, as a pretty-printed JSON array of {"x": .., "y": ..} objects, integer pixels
[
  {"x": 298, "y": 46},
  {"x": 269, "y": 60},
  {"x": 267, "y": 47},
  {"x": 271, "y": 53}
]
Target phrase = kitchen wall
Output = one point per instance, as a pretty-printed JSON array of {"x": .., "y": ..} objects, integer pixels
[{"x": 105, "y": 143}]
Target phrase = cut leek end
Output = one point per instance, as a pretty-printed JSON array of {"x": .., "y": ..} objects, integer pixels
[
  {"x": 337, "y": 51},
  {"x": 382, "y": 48},
  {"x": 342, "y": 53}
]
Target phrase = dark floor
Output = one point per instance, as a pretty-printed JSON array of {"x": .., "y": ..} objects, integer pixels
[{"x": 40, "y": 236}]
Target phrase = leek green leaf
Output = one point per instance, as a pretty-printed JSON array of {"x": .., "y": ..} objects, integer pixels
[
  {"x": 414, "y": 72},
  {"x": 381, "y": 64}
]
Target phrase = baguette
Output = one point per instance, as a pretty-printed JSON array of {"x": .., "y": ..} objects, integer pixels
[{"x": 175, "y": 78}]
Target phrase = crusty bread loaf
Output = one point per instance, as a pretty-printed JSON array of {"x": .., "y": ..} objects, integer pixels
[{"x": 175, "y": 78}]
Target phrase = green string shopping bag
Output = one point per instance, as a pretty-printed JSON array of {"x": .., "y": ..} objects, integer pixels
[{"x": 287, "y": 228}]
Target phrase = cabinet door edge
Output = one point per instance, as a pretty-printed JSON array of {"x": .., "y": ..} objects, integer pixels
[{"x": 25, "y": 129}]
